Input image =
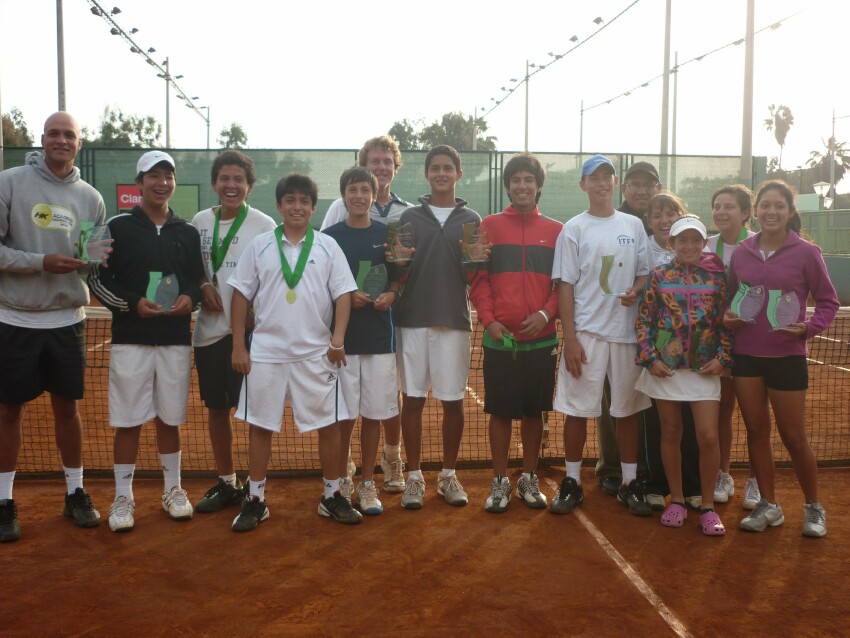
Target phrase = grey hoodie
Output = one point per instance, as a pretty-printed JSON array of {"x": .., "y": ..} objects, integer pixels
[{"x": 40, "y": 215}]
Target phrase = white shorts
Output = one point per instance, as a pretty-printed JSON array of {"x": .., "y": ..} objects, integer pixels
[
  {"x": 311, "y": 386},
  {"x": 582, "y": 397},
  {"x": 148, "y": 381},
  {"x": 684, "y": 385},
  {"x": 370, "y": 386},
  {"x": 433, "y": 358}
]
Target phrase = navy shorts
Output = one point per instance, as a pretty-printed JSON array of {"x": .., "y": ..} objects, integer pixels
[
  {"x": 519, "y": 384},
  {"x": 218, "y": 382},
  {"x": 780, "y": 373},
  {"x": 38, "y": 360}
]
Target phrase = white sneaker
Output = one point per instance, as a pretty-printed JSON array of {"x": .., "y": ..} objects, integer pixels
[
  {"x": 121, "y": 517},
  {"x": 393, "y": 474},
  {"x": 694, "y": 502},
  {"x": 449, "y": 487},
  {"x": 724, "y": 487},
  {"x": 765, "y": 514},
  {"x": 500, "y": 495},
  {"x": 346, "y": 487},
  {"x": 529, "y": 491},
  {"x": 414, "y": 494},
  {"x": 352, "y": 468},
  {"x": 367, "y": 498},
  {"x": 814, "y": 520},
  {"x": 176, "y": 503},
  {"x": 657, "y": 502},
  {"x": 752, "y": 496}
]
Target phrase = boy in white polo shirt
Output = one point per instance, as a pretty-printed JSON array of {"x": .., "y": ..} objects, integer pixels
[
  {"x": 225, "y": 231},
  {"x": 601, "y": 264},
  {"x": 294, "y": 277}
]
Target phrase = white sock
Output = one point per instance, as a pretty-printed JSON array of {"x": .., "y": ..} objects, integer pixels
[
  {"x": 392, "y": 452},
  {"x": 73, "y": 478},
  {"x": 7, "y": 479},
  {"x": 230, "y": 479},
  {"x": 446, "y": 472},
  {"x": 415, "y": 474},
  {"x": 124, "y": 479},
  {"x": 330, "y": 487},
  {"x": 574, "y": 470},
  {"x": 526, "y": 476},
  {"x": 170, "y": 470},
  {"x": 629, "y": 471},
  {"x": 258, "y": 489}
]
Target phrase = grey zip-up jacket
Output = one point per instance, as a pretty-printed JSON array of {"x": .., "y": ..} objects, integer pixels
[{"x": 40, "y": 215}]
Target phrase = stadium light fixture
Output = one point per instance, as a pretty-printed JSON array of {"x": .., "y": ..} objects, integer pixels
[{"x": 821, "y": 188}]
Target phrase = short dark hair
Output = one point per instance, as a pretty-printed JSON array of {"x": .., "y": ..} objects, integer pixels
[
  {"x": 794, "y": 222},
  {"x": 742, "y": 195},
  {"x": 296, "y": 183},
  {"x": 524, "y": 162},
  {"x": 443, "y": 149},
  {"x": 163, "y": 164},
  {"x": 384, "y": 143},
  {"x": 233, "y": 158},
  {"x": 356, "y": 175}
]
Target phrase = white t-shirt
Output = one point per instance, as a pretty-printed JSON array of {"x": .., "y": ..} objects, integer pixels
[
  {"x": 213, "y": 326},
  {"x": 298, "y": 331},
  {"x": 583, "y": 243},
  {"x": 660, "y": 256},
  {"x": 442, "y": 214},
  {"x": 728, "y": 249}
]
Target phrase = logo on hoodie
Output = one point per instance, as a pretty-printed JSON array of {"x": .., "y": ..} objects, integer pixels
[{"x": 52, "y": 217}]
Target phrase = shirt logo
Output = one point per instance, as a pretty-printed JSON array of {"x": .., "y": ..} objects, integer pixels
[
  {"x": 51, "y": 217},
  {"x": 625, "y": 240}
]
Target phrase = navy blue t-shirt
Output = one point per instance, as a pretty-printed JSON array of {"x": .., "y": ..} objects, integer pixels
[{"x": 369, "y": 331}]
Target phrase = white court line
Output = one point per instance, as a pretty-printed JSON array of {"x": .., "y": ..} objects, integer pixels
[
  {"x": 99, "y": 346},
  {"x": 829, "y": 365},
  {"x": 829, "y": 339},
  {"x": 475, "y": 396},
  {"x": 640, "y": 584}
]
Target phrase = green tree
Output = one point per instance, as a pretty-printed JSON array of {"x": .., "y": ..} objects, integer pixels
[
  {"x": 780, "y": 121},
  {"x": 233, "y": 136},
  {"x": 119, "y": 130},
  {"x": 455, "y": 129},
  {"x": 15, "y": 131},
  {"x": 820, "y": 160}
]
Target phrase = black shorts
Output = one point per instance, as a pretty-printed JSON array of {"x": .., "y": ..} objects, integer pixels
[
  {"x": 521, "y": 385},
  {"x": 218, "y": 382},
  {"x": 780, "y": 373},
  {"x": 37, "y": 360}
]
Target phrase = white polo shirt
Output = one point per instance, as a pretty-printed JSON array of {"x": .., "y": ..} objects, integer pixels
[{"x": 298, "y": 331}]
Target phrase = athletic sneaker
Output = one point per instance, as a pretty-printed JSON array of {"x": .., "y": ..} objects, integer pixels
[
  {"x": 352, "y": 469},
  {"x": 724, "y": 487},
  {"x": 414, "y": 494},
  {"x": 752, "y": 496},
  {"x": 121, "y": 513},
  {"x": 763, "y": 515},
  {"x": 254, "y": 512},
  {"x": 657, "y": 502},
  {"x": 500, "y": 495},
  {"x": 176, "y": 503},
  {"x": 449, "y": 487},
  {"x": 814, "y": 520},
  {"x": 528, "y": 489},
  {"x": 694, "y": 502},
  {"x": 79, "y": 507},
  {"x": 569, "y": 495},
  {"x": 346, "y": 487},
  {"x": 367, "y": 498},
  {"x": 338, "y": 508},
  {"x": 219, "y": 496},
  {"x": 393, "y": 474},
  {"x": 10, "y": 530},
  {"x": 632, "y": 496}
]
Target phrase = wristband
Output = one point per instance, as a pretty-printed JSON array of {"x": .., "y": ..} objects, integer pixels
[
  {"x": 545, "y": 315},
  {"x": 206, "y": 283},
  {"x": 335, "y": 349}
]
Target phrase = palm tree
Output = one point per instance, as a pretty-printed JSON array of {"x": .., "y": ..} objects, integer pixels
[
  {"x": 836, "y": 150},
  {"x": 780, "y": 121}
]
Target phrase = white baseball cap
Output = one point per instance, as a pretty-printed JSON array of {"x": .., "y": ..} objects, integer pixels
[
  {"x": 688, "y": 222},
  {"x": 152, "y": 158}
]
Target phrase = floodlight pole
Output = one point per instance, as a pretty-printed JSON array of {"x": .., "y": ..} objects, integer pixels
[
  {"x": 747, "y": 125},
  {"x": 665, "y": 91},
  {"x": 167, "y": 105},
  {"x": 60, "y": 54},
  {"x": 526, "y": 106}
]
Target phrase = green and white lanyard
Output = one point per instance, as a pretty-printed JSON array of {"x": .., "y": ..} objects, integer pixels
[{"x": 293, "y": 277}]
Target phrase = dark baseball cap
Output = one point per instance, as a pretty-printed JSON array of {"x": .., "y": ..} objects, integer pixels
[{"x": 642, "y": 167}]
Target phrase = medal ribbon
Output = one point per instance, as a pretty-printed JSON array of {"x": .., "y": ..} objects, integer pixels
[
  {"x": 293, "y": 277},
  {"x": 217, "y": 253}
]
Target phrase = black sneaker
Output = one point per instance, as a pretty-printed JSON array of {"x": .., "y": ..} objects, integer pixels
[
  {"x": 9, "y": 528},
  {"x": 610, "y": 485},
  {"x": 570, "y": 495},
  {"x": 632, "y": 496},
  {"x": 254, "y": 512},
  {"x": 79, "y": 507},
  {"x": 338, "y": 508},
  {"x": 220, "y": 496}
]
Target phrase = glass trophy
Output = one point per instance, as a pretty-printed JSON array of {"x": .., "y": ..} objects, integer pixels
[
  {"x": 163, "y": 290},
  {"x": 783, "y": 309},
  {"x": 474, "y": 244},
  {"x": 399, "y": 241},
  {"x": 95, "y": 245},
  {"x": 375, "y": 282},
  {"x": 605, "y": 273},
  {"x": 748, "y": 302}
]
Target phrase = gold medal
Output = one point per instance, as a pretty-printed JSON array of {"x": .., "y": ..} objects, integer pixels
[{"x": 290, "y": 296}]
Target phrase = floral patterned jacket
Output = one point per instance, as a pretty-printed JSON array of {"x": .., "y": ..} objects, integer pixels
[{"x": 680, "y": 316}]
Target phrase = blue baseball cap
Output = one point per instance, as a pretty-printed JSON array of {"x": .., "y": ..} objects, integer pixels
[{"x": 592, "y": 163}]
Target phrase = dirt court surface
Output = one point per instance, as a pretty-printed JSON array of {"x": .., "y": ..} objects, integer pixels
[{"x": 440, "y": 570}]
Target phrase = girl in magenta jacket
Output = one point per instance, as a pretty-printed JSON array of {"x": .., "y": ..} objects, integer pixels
[{"x": 771, "y": 276}]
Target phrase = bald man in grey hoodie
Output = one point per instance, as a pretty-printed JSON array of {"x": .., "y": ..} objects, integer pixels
[{"x": 42, "y": 308}]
